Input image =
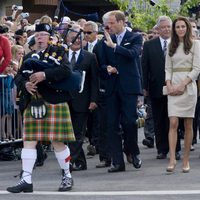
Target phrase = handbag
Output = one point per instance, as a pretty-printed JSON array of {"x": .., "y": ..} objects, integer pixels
[
  {"x": 165, "y": 90},
  {"x": 38, "y": 109}
]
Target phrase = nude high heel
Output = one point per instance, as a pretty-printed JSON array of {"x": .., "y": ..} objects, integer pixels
[
  {"x": 171, "y": 167},
  {"x": 186, "y": 169}
]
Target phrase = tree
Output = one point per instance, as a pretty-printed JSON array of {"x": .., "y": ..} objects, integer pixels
[
  {"x": 187, "y": 6},
  {"x": 144, "y": 16}
]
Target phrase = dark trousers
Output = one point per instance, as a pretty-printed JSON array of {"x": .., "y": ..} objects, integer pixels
[
  {"x": 79, "y": 121},
  {"x": 161, "y": 123},
  {"x": 93, "y": 128},
  {"x": 196, "y": 121},
  {"x": 121, "y": 107},
  {"x": 103, "y": 142},
  {"x": 149, "y": 125}
]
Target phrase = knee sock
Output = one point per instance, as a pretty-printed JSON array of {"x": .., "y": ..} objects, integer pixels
[
  {"x": 28, "y": 160},
  {"x": 63, "y": 158}
]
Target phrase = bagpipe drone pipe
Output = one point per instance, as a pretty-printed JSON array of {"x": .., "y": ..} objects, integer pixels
[{"x": 51, "y": 58}]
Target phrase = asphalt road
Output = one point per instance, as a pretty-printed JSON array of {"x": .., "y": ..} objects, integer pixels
[{"x": 150, "y": 182}]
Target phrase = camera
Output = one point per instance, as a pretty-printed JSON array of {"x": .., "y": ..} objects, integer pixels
[
  {"x": 15, "y": 7},
  {"x": 25, "y": 15}
]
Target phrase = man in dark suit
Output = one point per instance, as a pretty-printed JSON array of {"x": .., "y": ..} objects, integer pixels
[
  {"x": 90, "y": 36},
  {"x": 97, "y": 124},
  {"x": 121, "y": 51},
  {"x": 84, "y": 102},
  {"x": 153, "y": 64}
]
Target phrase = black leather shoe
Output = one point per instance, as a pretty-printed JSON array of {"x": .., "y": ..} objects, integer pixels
[
  {"x": 40, "y": 162},
  {"x": 178, "y": 156},
  {"x": 66, "y": 184},
  {"x": 79, "y": 168},
  {"x": 22, "y": 186},
  {"x": 137, "y": 162},
  {"x": 117, "y": 168},
  {"x": 148, "y": 143},
  {"x": 103, "y": 164},
  {"x": 161, "y": 156}
]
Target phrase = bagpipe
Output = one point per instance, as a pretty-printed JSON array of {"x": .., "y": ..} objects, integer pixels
[{"x": 52, "y": 57}]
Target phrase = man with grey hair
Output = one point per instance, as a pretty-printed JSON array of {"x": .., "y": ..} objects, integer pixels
[
  {"x": 90, "y": 32},
  {"x": 85, "y": 102},
  {"x": 153, "y": 64}
]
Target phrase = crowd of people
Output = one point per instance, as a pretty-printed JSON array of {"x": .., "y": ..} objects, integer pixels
[{"x": 129, "y": 74}]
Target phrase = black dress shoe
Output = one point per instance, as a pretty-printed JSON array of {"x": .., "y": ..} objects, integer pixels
[
  {"x": 137, "y": 162},
  {"x": 149, "y": 143},
  {"x": 178, "y": 156},
  {"x": 161, "y": 156},
  {"x": 79, "y": 167},
  {"x": 22, "y": 186},
  {"x": 40, "y": 162},
  {"x": 117, "y": 168},
  {"x": 66, "y": 184}
]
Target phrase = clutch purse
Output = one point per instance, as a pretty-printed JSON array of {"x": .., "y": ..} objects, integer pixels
[{"x": 165, "y": 90}]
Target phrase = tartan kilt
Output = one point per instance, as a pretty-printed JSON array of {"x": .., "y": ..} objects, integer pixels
[{"x": 56, "y": 126}]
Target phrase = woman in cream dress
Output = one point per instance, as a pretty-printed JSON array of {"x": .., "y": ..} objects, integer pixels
[{"x": 182, "y": 69}]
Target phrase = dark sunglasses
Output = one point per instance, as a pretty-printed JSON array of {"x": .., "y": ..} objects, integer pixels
[{"x": 88, "y": 32}]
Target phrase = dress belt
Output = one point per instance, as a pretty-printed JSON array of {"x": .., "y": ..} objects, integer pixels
[{"x": 182, "y": 69}]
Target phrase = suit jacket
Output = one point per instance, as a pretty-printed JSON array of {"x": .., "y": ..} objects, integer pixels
[
  {"x": 125, "y": 58},
  {"x": 153, "y": 66},
  {"x": 87, "y": 62}
]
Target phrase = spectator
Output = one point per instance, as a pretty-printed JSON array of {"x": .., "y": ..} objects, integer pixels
[{"x": 5, "y": 50}]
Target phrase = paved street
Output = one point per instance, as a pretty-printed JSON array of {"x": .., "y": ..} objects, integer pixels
[{"x": 150, "y": 182}]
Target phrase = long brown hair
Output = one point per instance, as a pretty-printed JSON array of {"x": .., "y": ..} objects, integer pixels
[{"x": 187, "y": 40}]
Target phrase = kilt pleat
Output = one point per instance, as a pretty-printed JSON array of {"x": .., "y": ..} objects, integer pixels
[{"x": 56, "y": 126}]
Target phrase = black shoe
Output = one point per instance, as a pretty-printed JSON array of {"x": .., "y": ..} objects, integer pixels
[
  {"x": 192, "y": 148},
  {"x": 66, "y": 184},
  {"x": 103, "y": 164},
  {"x": 137, "y": 162},
  {"x": 117, "y": 168},
  {"x": 40, "y": 162},
  {"x": 178, "y": 156},
  {"x": 161, "y": 156},
  {"x": 91, "y": 150},
  {"x": 22, "y": 186},
  {"x": 148, "y": 143},
  {"x": 79, "y": 168}
]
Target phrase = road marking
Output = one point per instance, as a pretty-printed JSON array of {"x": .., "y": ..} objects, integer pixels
[{"x": 113, "y": 193}]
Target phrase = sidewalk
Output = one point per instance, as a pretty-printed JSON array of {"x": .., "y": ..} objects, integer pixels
[{"x": 151, "y": 180}]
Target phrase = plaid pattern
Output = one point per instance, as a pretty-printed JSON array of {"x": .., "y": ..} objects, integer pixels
[{"x": 56, "y": 126}]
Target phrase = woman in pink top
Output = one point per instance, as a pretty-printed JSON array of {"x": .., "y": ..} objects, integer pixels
[{"x": 5, "y": 50}]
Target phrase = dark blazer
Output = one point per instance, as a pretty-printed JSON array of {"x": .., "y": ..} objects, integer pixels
[
  {"x": 87, "y": 62},
  {"x": 153, "y": 66},
  {"x": 125, "y": 58}
]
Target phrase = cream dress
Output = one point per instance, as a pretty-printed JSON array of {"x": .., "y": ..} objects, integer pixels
[{"x": 183, "y": 105}]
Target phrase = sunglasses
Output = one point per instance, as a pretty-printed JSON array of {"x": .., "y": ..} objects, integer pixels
[{"x": 88, "y": 32}]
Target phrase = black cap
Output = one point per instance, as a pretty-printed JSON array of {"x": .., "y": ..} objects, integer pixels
[{"x": 43, "y": 27}]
